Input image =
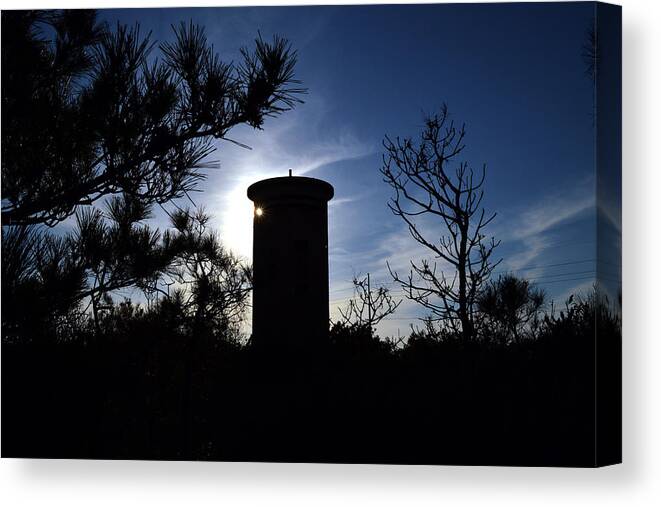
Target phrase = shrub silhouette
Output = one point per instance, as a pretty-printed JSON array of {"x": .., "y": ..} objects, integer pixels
[
  {"x": 115, "y": 133},
  {"x": 510, "y": 309},
  {"x": 430, "y": 400}
]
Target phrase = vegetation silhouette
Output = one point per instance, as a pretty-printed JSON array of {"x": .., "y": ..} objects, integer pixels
[
  {"x": 509, "y": 309},
  {"x": 369, "y": 306},
  {"x": 494, "y": 376},
  {"x": 149, "y": 388},
  {"x": 97, "y": 129},
  {"x": 427, "y": 187},
  {"x": 89, "y": 112}
]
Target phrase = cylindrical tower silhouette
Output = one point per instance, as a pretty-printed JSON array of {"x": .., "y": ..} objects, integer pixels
[{"x": 290, "y": 260}]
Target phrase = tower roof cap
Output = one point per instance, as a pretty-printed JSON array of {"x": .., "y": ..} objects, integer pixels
[{"x": 290, "y": 187}]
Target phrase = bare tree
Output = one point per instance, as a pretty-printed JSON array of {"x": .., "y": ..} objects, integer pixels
[
  {"x": 368, "y": 307},
  {"x": 426, "y": 188}
]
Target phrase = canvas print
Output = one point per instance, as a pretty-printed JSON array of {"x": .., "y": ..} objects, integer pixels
[{"x": 346, "y": 234}]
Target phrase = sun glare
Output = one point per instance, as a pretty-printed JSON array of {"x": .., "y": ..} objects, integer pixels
[{"x": 237, "y": 214}]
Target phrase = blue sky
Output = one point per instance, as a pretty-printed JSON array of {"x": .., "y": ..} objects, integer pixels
[{"x": 513, "y": 73}]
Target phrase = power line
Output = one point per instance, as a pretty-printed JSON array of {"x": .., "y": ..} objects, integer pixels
[
  {"x": 542, "y": 266},
  {"x": 592, "y": 271},
  {"x": 525, "y": 268},
  {"x": 568, "y": 280}
]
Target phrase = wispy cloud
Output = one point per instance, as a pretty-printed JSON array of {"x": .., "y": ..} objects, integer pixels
[
  {"x": 334, "y": 203},
  {"x": 528, "y": 233},
  {"x": 530, "y": 229},
  {"x": 298, "y": 140}
]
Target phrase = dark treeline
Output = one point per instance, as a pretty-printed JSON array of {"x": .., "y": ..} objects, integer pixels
[
  {"x": 493, "y": 376},
  {"x": 148, "y": 388}
]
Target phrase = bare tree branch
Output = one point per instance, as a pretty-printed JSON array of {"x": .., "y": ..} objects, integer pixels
[
  {"x": 425, "y": 186},
  {"x": 369, "y": 306}
]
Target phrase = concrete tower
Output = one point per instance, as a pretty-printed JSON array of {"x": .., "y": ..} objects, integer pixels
[{"x": 290, "y": 259}]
